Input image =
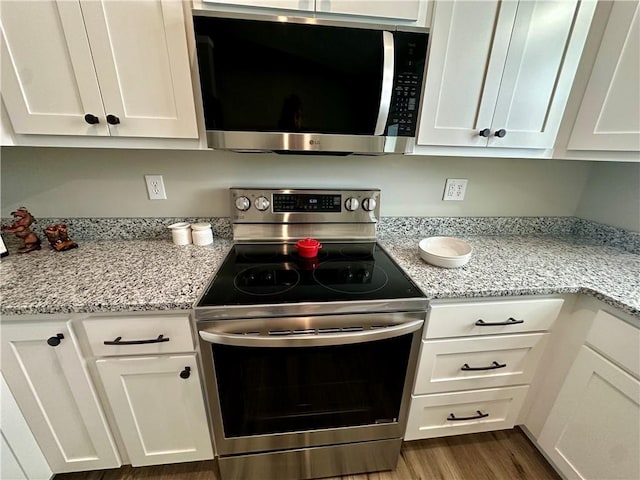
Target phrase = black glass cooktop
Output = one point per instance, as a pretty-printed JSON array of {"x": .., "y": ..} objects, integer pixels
[{"x": 275, "y": 273}]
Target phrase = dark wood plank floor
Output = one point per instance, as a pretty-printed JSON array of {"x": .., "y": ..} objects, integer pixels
[{"x": 505, "y": 454}]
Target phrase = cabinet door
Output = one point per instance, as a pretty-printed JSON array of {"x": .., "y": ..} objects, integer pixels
[
  {"x": 140, "y": 54},
  {"x": 160, "y": 414},
  {"x": 468, "y": 48},
  {"x": 593, "y": 430},
  {"x": 21, "y": 456},
  {"x": 609, "y": 116},
  {"x": 399, "y": 9},
  {"x": 544, "y": 52},
  {"x": 53, "y": 389},
  {"x": 48, "y": 80}
]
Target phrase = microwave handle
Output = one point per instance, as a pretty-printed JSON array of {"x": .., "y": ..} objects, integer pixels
[
  {"x": 310, "y": 340},
  {"x": 387, "y": 82}
]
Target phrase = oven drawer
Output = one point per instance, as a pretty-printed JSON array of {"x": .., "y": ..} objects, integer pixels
[
  {"x": 473, "y": 411},
  {"x": 138, "y": 335},
  {"x": 490, "y": 318},
  {"x": 479, "y": 362}
]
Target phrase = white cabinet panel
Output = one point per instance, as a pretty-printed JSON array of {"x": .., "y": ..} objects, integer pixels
[
  {"x": 140, "y": 54},
  {"x": 593, "y": 430},
  {"x": 499, "y": 73},
  {"x": 468, "y": 46},
  {"x": 304, "y": 5},
  {"x": 479, "y": 362},
  {"x": 400, "y": 9},
  {"x": 159, "y": 408},
  {"x": 54, "y": 391},
  {"x": 470, "y": 411},
  {"x": 48, "y": 79},
  {"x": 21, "y": 455},
  {"x": 492, "y": 317},
  {"x": 125, "y": 59},
  {"x": 609, "y": 115},
  {"x": 135, "y": 335}
]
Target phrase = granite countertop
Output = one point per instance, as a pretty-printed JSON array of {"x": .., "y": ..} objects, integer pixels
[{"x": 147, "y": 275}]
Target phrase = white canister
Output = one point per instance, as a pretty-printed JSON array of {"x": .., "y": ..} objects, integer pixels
[
  {"x": 181, "y": 233},
  {"x": 202, "y": 234}
]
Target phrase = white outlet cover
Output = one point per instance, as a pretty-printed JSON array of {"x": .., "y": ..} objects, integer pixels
[
  {"x": 155, "y": 187},
  {"x": 454, "y": 189}
]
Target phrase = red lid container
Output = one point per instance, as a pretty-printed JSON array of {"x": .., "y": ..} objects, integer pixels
[{"x": 308, "y": 248}]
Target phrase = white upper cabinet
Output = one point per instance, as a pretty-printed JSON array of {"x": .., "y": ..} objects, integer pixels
[
  {"x": 404, "y": 10},
  {"x": 609, "y": 115},
  {"x": 499, "y": 72},
  {"x": 67, "y": 64}
]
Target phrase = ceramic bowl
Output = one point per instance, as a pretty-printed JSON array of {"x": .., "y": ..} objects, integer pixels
[{"x": 447, "y": 252}]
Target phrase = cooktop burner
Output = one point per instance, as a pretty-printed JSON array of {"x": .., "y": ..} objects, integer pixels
[{"x": 276, "y": 274}]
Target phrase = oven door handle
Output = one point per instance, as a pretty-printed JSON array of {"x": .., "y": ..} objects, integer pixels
[{"x": 310, "y": 339}]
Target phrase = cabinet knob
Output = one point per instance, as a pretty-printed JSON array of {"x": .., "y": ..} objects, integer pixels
[
  {"x": 485, "y": 132},
  {"x": 186, "y": 373},
  {"x": 55, "y": 341},
  {"x": 501, "y": 133},
  {"x": 91, "y": 119},
  {"x": 112, "y": 120}
]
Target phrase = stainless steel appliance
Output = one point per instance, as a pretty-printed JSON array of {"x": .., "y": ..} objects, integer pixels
[
  {"x": 308, "y": 362},
  {"x": 290, "y": 85}
]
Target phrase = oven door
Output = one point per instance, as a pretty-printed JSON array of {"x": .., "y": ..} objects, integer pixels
[{"x": 298, "y": 382}]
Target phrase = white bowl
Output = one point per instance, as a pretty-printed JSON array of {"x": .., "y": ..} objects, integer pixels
[{"x": 447, "y": 252}]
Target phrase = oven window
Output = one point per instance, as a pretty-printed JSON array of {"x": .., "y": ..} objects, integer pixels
[{"x": 289, "y": 389}]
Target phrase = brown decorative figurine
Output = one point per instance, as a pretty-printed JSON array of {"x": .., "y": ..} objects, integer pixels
[
  {"x": 22, "y": 220},
  {"x": 59, "y": 237}
]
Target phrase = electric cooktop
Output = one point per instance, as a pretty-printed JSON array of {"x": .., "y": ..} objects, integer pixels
[{"x": 276, "y": 274}]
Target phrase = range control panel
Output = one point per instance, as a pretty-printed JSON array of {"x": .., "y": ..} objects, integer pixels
[{"x": 266, "y": 205}]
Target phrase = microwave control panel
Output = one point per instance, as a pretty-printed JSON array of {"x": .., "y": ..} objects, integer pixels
[{"x": 410, "y": 55}]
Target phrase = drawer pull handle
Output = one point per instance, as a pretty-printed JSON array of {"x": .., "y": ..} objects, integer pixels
[
  {"x": 186, "y": 373},
  {"x": 55, "y": 340},
  {"x": 493, "y": 366},
  {"x": 119, "y": 341},
  {"x": 509, "y": 321},
  {"x": 453, "y": 418}
]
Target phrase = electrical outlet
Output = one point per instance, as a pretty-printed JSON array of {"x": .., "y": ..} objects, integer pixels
[
  {"x": 155, "y": 187},
  {"x": 454, "y": 189}
]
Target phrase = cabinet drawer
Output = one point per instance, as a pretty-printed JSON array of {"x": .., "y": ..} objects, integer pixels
[
  {"x": 473, "y": 411},
  {"x": 479, "y": 362},
  {"x": 490, "y": 318},
  {"x": 138, "y": 335},
  {"x": 617, "y": 340}
]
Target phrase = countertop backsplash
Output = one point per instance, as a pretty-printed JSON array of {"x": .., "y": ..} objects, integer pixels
[{"x": 580, "y": 230}]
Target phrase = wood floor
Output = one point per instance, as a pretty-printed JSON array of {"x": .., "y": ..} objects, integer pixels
[{"x": 505, "y": 454}]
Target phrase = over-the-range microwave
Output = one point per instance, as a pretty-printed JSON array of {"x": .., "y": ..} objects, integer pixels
[{"x": 297, "y": 85}]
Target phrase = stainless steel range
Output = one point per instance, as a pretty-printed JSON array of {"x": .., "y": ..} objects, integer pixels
[{"x": 308, "y": 360}]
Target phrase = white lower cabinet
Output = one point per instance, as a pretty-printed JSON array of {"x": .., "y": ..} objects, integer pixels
[
  {"x": 21, "y": 458},
  {"x": 473, "y": 375},
  {"x": 464, "y": 412},
  {"x": 158, "y": 406},
  {"x": 593, "y": 429},
  {"x": 149, "y": 372},
  {"x": 46, "y": 374}
]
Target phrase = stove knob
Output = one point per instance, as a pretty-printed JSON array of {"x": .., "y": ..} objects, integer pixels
[
  {"x": 243, "y": 204},
  {"x": 369, "y": 204},
  {"x": 261, "y": 203},
  {"x": 351, "y": 204}
]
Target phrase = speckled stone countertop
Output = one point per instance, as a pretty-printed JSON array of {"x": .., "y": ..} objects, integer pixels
[
  {"x": 146, "y": 275},
  {"x": 529, "y": 265}
]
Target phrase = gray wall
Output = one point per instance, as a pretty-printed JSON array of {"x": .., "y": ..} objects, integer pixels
[
  {"x": 612, "y": 195},
  {"x": 65, "y": 182}
]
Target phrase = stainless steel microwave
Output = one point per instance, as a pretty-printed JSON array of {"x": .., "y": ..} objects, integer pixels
[{"x": 306, "y": 86}]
